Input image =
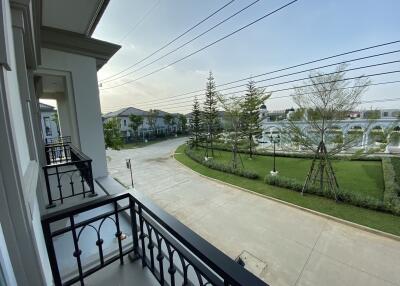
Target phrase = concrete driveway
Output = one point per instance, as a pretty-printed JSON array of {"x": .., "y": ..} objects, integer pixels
[{"x": 281, "y": 244}]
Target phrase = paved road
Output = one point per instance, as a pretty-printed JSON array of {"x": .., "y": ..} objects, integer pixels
[{"x": 284, "y": 245}]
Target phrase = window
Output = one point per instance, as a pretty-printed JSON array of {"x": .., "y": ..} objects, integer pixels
[
  {"x": 385, "y": 114},
  {"x": 124, "y": 122},
  {"x": 47, "y": 125}
]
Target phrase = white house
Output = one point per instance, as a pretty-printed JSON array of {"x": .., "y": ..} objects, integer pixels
[
  {"x": 145, "y": 129},
  {"x": 48, "y": 121},
  {"x": 63, "y": 219},
  {"x": 385, "y": 120}
]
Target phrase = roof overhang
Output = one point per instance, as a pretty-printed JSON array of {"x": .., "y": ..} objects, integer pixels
[
  {"x": 79, "y": 16},
  {"x": 76, "y": 43}
]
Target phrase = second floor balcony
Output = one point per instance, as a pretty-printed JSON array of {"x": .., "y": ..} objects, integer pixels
[{"x": 123, "y": 238}]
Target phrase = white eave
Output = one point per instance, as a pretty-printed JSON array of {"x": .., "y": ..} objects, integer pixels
[
  {"x": 78, "y": 16},
  {"x": 78, "y": 44}
]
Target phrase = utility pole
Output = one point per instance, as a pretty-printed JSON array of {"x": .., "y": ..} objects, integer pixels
[{"x": 129, "y": 166}]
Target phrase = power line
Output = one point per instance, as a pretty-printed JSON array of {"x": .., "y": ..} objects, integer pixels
[
  {"x": 186, "y": 43},
  {"x": 291, "y": 88},
  {"x": 292, "y": 95},
  {"x": 286, "y": 75},
  {"x": 290, "y": 67},
  {"x": 138, "y": 23},
  {"x": 169, "y": 43},
  {"x": 279, "y": 83},
  {"x": 207, "y": 46}
]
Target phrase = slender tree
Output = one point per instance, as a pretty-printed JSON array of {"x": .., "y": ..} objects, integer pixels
[
  {"x": 195, "y": 123},
  {"x": 136, "y": 121},
  {"x": 112, "y": 134},
  {"x": 152, "y": 116},
  {"x": 326, "y": 99},
  {"x": 210, "y": 113},
  {"x": 233, "y": 113},
  {"x": 252, "y": 120},
  {"x": 169, "y": 120},
  {"x": 182, "y": 122},
  {"x": 56, "y": 121}
]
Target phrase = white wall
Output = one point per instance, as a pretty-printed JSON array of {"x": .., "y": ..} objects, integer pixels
[
  {"x": 12, "y": 89},
  {"x": 52, "y": 124},
  {"x": 18, "y": 170},
  {"x": 85, "y": 93}
]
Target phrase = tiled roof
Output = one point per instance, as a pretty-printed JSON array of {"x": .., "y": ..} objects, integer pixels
[{"x": 46, "y": 107}]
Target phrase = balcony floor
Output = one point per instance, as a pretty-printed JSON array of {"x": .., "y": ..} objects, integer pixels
[{"x": 115, "y": 274}]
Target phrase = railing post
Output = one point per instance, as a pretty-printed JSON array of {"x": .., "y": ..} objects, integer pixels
[
  {"x": 77, "y": 253},
  {"x": 59, "y": 186},
  {"x": 49, "y": 197},
  {"x": 47, "y": 154},
  {"x": 51, "y": 253},
  {"x": 134, "y": 227},
  {"x": 118, "y": 234},
  {"x": 142, "y": 236},
  {"x": 91, "y": 184}
]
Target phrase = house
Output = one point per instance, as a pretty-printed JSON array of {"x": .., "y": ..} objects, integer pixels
[
  {"x": 49, "y": 121},
  {"x": 63, "y": 219},
  {"x": 145, "y": 129}
]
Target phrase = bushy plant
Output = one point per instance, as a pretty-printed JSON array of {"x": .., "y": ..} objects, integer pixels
[
  {"x": 219, "y": 166},
  {"x": 359, "y": 155},
  {"x": 346, "y": 196},
  {"x": 391, "y": 176}
]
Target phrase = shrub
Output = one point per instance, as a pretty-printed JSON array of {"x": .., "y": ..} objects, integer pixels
[
  {"x": 359, "y": 157},
  {"x": 221, "y": 167},
  {"x": 391, "y": 195},
  {"x": 352, "y": 198}
]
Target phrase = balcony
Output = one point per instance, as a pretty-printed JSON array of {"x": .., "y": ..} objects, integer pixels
[
  {"x": 85, "y": 242},
  {"x": 68, "y": 172},
  {"x": 89, "y": 240}
]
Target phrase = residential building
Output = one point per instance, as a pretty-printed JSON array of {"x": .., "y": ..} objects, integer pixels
[
  {"x": 49, "y": 122},
  {"x": 366, "y": 121},
  {"x": 145, "y": 130},
  {"x": 63, "y": 219}
]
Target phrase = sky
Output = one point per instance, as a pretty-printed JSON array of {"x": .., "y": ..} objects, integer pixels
[{"x": 304, "y": 31}]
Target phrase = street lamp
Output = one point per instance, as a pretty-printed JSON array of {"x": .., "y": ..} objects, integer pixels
[
  {"x": 274, "y": 140},
  {"x": 129, "y": 166}
]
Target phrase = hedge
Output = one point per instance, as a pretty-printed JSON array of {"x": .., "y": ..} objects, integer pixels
[
  {"x": 352, "y": 198},
  {"x": 359, "y": 157},
  {"x": 221, "y": 167},
  {"x": 391, "y": 176}
]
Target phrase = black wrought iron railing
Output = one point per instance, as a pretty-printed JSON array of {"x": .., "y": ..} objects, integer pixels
[
  {"x": 58, "y": 140},
  {"x": 173, "y": 253},
  {"x": 68, "y": 173}
]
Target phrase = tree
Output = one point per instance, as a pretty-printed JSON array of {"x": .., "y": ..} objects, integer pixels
[
  {"x": 182, "y": 122},
  {"x": 372, "y": 114},
  {"x": 210, "y": 113},
  {"x": 327, "y": 99},
  {"x": 169, "y": 120},
  {"x": 112, "y": 134},
  {"x": 234, "y": 114},
  {"x": 56, "y": 121},
  {"x": 152, "y": 119},
  {"x": 136, "y": 121},
  {"x": 252, "y": 120},
  {"x": 195, "y": 123}
]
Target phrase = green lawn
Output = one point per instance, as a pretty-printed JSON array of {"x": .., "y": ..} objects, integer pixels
[
  {"x": 362, "y": 176},
  {"x": 359, "y": 176},
  {"x": 140, "y": 144}
]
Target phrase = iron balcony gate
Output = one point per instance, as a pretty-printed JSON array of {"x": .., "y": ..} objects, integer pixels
[{"x": 173, "y": 253}]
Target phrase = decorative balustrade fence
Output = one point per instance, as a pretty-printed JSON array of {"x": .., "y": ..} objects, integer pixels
[
  {"x": 173, "y": 253},
  {"x": 68, "y": 173}
]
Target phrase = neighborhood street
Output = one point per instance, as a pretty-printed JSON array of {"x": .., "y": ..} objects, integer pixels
[{"x": 281, "y": 244}]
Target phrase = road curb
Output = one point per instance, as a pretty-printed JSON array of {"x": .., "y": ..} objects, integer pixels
[{"x": 339, "y": 220}]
